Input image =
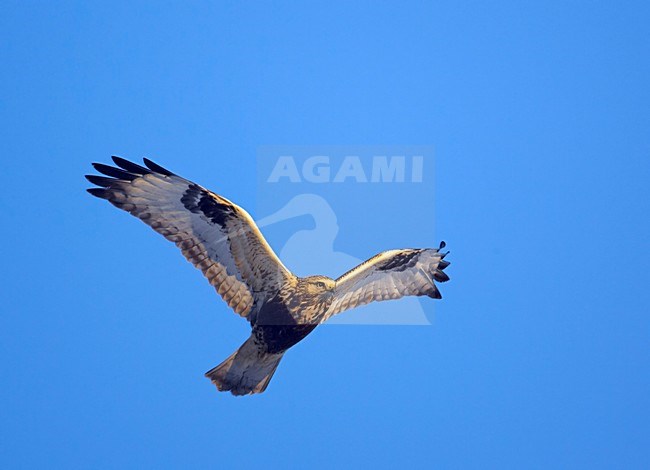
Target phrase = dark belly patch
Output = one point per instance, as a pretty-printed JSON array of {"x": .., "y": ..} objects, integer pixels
[{"x": 279, "y": 338}]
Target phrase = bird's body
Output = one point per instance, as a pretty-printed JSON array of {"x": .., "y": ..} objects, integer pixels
[{"x": 221, "y": 239}]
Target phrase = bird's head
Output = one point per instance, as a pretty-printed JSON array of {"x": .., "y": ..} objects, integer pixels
[
  {"x": 319, "y": 286},
  {"x": 312, "y": 296}
]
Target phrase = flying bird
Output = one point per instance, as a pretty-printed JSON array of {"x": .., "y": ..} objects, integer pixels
[{"x": 222, "y": 240}]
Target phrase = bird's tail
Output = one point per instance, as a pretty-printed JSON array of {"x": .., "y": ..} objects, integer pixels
[{"x": 246, "y": 371}]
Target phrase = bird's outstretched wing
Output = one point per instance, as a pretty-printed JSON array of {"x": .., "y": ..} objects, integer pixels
[
  {"x": 390, "y": 275},
  {"x": 214, "y": 234}
]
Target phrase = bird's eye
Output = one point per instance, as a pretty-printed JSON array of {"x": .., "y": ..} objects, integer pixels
[{"x": 320, "y": 284}]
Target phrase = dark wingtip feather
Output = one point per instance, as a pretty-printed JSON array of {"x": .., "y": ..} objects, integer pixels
[
  {"x": 443, "y": 264},
  {"x": 130, "y": 166},
  {"x": 114, "y": 172},
  {"x": 100, "y": 180},
  {"x": 435, "y": 293},
  {"x": 439, "y": 276},
  {"x": 157, "y": 168},
  {"x": 99, "y": 192},
  {"x": 442, "y": 245}
]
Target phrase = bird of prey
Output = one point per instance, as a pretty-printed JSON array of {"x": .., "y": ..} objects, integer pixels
[{"x": 222, "y": 240}]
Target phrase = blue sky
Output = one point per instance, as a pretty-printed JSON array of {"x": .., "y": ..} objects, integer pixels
[{"x": 539, "y": 114}]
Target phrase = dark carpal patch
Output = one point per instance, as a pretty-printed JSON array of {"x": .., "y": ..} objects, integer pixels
[
  {"x": 199, "y": 201},
  {"x": 400, "y": 262}
]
